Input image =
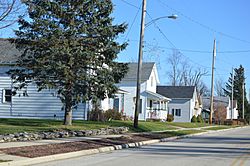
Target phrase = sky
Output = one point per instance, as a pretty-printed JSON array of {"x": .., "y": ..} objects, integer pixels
[{"x": 199, "y": 22}]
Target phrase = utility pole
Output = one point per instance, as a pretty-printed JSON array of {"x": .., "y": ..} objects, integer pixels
[
  {"x": 212, "y": 86},
  {"x": 243, "y": 97},
  {"x": 138, "y": 85},
  {"x": 232, "y": 96}
]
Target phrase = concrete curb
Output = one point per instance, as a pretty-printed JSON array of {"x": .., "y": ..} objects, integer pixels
[{"x": 62, "y": 156}]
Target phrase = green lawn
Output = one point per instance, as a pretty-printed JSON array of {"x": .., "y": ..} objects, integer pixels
[
  {"x": 166, "y": 134},
  {"x": 219, "y": 127},
  {"x": 8, "y": 126},
  {"x": 188, "y": 125},
  {"x": 1, "y": 161},
  {"x": 35, "y": 125}
]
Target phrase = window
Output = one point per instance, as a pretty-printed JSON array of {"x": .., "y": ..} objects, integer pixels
[
  {"x": 7, "y": 96},
  {"x": 116, "y": 104},
  {"x": 140, "y": 109},
  {"x": 152, "y": 81},
  {"x": 150, "y": 103},
  {"x": 173, "y": 112},
  {"x": 178, "y": 112}
]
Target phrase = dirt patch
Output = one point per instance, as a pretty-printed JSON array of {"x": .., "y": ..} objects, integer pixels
[{"x": 51, "y": 149}]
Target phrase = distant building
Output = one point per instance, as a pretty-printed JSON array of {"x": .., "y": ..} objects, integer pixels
[
  {"x": 185, "y": 101},
  {"x": 153, "y": 104},
  {"x": 220, "y": 103}
]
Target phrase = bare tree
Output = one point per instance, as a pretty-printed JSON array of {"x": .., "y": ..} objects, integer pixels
[
  {"x": 219, "y": 87},
  {"x": 181, "y": 73},
  {"x": 220, "y": 113},
  {"x": 10, "y": 10},
  {"x": 175, "y": 61},
  {"x": 203, "y": 89}
]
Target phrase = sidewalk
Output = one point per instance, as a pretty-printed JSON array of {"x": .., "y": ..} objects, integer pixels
[{"x": 17, "y": 160}]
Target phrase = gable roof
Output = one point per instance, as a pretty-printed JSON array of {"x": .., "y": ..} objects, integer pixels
[
  {"x": 146, "y": 71},
  {"x": 176, "y": 92},
  {"x": 8, "y": 51},
  {"x": 218, "y": 100}
]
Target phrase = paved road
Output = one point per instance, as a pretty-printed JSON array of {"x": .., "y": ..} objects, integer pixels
[{"x": 229, "y": 148}]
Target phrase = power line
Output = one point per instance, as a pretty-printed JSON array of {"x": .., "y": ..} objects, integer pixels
[
  {"x": 195, "y": 51},
  {"x": 132, "y": 23},
  {"x": 130, "y": 4},
  {"x": 171, "y": 43},
  {"x": 203, "y": 25}
]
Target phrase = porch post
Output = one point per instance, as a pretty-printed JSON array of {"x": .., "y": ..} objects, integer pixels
[{"x": 122, "y": 111}]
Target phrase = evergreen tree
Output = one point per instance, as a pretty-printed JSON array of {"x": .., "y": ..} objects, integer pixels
[
  {"x": 70, "y": 46},
  {"x": 239, "y": 77}
]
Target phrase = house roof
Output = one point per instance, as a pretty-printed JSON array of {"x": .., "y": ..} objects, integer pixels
[
  {"x": 156, "y": 96},
  {"x": 218, "y": 100},
  {"x": 146, "y": 71},
  {"x": 176, "y": 92},
  {"x": 8, "y": 52}
]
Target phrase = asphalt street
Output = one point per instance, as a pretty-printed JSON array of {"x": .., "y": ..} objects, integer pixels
[{"x": 229, "y": 148}]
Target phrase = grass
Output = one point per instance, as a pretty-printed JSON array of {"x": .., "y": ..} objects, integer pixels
[
  {"x": 184, "y": 132},
  {"x": 219, "y": 127},
  {"x": 9, "y": 126},
  {"x": 1, "y": 161},
  {"x": 188, "y": 125},
  {"x": 167, "y": 134}
]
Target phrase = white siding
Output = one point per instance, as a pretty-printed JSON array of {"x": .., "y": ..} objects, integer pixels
[
  {"x": 5, "y": 108},
  {"x": 43, "y": 104},
  {"x": 184, "y": 105},
  {"x": 129, "y": 103},
  {"x": 151, "y": 83}
]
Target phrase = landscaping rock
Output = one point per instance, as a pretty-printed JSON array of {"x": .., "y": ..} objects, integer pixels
[{"x": 25, "y": 136}]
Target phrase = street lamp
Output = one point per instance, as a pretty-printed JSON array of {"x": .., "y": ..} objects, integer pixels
[
  {"x": 138, "y": 84},
  {"x": 173, "y": 16}
]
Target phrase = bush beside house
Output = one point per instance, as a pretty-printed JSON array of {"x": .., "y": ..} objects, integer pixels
[{"x": 194, "y": 119}]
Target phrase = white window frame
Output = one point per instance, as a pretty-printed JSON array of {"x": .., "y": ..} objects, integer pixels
[{"x": 4, "y": 96}]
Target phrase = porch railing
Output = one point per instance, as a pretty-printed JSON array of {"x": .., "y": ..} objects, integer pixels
[{"x": 154, "y": 113}]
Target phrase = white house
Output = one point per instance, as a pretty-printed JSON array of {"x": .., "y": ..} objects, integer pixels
[
  {"x": 185, "y": 101},
  {"x": 153, "y": 105},
  {"x": 46, "y": 104},
  {"x": 28, "y": 103}
]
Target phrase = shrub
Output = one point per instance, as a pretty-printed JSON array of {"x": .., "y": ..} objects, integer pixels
[
  {"x": 112, "y": 114},
  {"x": 170, "y": 118},
  {"x": 96, "y": 115},
  {"x": 200, "y": 119},
  {"x": 153, "y": 120},
  {"x": 194, "y": 119}
]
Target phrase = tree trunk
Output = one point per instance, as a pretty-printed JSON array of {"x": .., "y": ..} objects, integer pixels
[
  {"x": 68, "y": 111},
  {"x": 68, "y": 117}
]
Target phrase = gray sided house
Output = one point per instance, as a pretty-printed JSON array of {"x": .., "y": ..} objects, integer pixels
[
  {"x": 28, "y": 103},
  {"x": 220, "y": 101},
  {"x": 185, "y": 101}
]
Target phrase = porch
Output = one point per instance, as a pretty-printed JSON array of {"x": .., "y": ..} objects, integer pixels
[{"x": 156, "y": 106}]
